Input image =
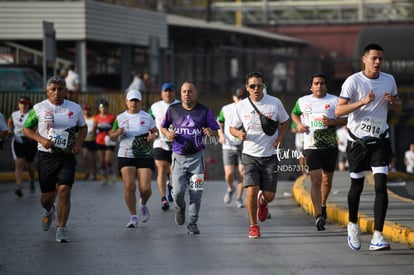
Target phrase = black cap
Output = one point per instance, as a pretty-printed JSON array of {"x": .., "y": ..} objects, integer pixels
[
  {"x": 240, "y": 93},
  {"x": 103, "y": 103}
]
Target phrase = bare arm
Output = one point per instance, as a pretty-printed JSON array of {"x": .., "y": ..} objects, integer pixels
[
  {"x": 170, "y": 135},
  {"x": 238, "y": 133},
  {"x": 344, "y": 107},
  {"x": 153, "y": 134},
  {"x": 209, "y": 132},
  {"x": 32, "y": 134},
  {"x": 395, "y": 102},
  {"x": 334, "y": 122},
  {"x": 300, "y": 127},
  {"x": 83, "y": 131},
  {"x": 10, "y": 125},
  {"x": 220, "y": 132},
  {"x": 114, "y": 134}
]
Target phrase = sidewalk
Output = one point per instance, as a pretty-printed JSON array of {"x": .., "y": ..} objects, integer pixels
[{"x": 399, "y": 224}]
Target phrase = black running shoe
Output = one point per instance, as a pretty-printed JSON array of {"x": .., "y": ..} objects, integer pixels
[
  {"x": 320, "y": 223},
  {"x": 324, "y": 212},
  {"x": 164, "y": 204},
  {"x": 180, "y": 216},
  {"x": 18, "y": 192},
  {"x": 193, "y": 229}
]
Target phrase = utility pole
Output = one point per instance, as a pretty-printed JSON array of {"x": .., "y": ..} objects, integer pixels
[{"x": 208, "y": 11}]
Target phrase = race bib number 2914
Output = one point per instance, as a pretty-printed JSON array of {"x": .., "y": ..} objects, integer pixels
[{"x": 370, "y": 126}]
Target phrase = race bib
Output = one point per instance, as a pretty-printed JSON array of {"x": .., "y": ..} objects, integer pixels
[
  {"x": 59, "y": 138},
  {"x": 197, "y": 182},
  {"x": 369, "y": 126},
  {"x": 315, "y": 121}
]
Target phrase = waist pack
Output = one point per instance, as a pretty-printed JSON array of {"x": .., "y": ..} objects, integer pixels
[
  {"x": 141, "y": 148},
  {"x": 369, "y": 142}
]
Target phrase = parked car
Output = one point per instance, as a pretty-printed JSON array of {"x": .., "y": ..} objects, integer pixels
[{"x": 18, "y": 79}]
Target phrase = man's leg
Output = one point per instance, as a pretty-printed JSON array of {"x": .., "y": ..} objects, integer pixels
[
  {"x": 229, "y": 178},
  {"x": 163, "y": 167},
  {"x": 326, "y": 186},
  {"x": 64, "y": 204},
  {"x": 251, "y": 203},
  {"x": 316, "y": 183}
]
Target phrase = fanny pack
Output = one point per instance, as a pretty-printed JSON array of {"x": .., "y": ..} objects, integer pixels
[
  {"x": 369, "y": 142},
  {"x": 269, "y": 126}
]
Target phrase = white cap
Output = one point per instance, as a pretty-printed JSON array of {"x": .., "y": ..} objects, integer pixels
[{"x": 134, "y": 94}]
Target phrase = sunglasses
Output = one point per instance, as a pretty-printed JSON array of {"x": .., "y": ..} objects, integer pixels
[
  {"x": 258, "y": 86},
  {"x": 21, "y": 118}
]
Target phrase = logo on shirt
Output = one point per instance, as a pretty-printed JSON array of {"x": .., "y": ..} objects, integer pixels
[
  {"x": 188, "y": 122},
  {"x": 187, "y": 127}
]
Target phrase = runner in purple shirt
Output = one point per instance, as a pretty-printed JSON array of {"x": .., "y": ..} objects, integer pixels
[{"x": 185, "y": 124}]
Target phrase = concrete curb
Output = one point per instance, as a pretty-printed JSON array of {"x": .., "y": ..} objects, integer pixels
[{"x": 336, "y": 214}]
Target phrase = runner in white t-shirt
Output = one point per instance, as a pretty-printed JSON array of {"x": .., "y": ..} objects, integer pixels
[
  {"x": 314, "y": 116},
  {"x": 232, "y": 149},
  {"x": 259, "y": 158},
  {"x": 59, "y": 128},
  {"x": 366, "y": 97},
  {"x": 136, "y": 130},
  {"x": 162, "y": 146}
]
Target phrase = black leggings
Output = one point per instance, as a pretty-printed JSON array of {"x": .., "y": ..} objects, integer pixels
[{"x": 380, "y": 203}]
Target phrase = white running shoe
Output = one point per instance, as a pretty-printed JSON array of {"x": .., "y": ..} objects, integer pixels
[
  {"x": 378, "y": 242},
  {"x": 228, "y": 195},
  {"x": 239, "y": 203},
  {"x": 61, "y": 235},
  {"x": 144, "y": 213},
  {"x": 354, "y": 241},
  {"x": 133, "y": 222}
]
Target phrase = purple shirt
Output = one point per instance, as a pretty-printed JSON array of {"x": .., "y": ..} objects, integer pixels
[{"x": 188, "y": 126}]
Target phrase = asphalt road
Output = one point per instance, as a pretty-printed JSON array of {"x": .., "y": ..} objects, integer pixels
[{"x": 100, "y": 243}]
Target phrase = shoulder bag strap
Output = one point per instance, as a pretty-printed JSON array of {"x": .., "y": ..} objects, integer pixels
[{"x": 254, "y": 106}]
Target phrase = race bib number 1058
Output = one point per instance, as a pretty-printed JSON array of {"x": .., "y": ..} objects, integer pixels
[{"x": 316, "y": 121}]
